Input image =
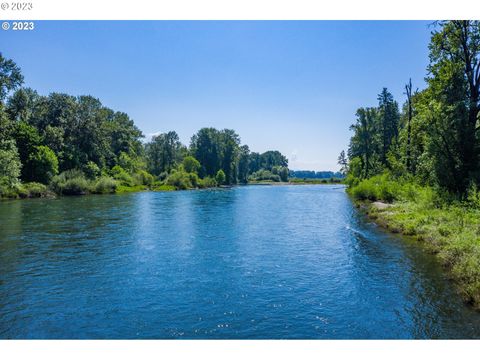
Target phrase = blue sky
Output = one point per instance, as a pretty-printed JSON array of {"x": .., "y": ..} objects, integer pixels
[{"x": 292, "y": 86}]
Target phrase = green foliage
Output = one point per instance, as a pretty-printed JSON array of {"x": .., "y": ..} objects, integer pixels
[
  {"x": 91, "y": 170},
  {"x": 42, "y": 164},
  {"x": 41, "y": 136},
  {"x": 191, "y": 165},
  {"x": 379, "y": 187},
  {"x": 181, "y": 180},
  {"x": 10, "y": 164},
  {"x": 163, "y": 152},
  {"x": 220, "y": 177},
  {"x": 281, "y": 171},
  {"x": 34, "y": 190},
  {"x": 163, "y": 187},
  {"x": 70, "y": 182},
  {"x": 207, "y": 182},
  {"x": 122, "y": 176},
  {"x": 142, "y": 177},
  {"x": 130, "y": 188},
  {"x": 27, "y": 140},
  {"x": 104, "y": 185},
  {"x": 10, "y": 76},
  {"x": 264, "y": 175}
]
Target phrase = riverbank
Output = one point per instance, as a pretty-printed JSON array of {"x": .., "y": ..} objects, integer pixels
[
  {"x": 451, "y": 231},
  {"x": 36, "y": 190}
]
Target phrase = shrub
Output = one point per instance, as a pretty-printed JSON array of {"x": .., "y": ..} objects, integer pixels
[
  {"x": 10, "y": 164},
  {"x": 34, "y": 189},
  {"x": 194, "y": 179},
  {"x": 378, "y": 187},
  {"x": 122, "y": 176},
  {"x": 105, "y": 185},
  {"x": 264, "y": 175},
  {"x": 42, "y": 164},
  {"x": 91, "y": 170},
  {"x": 207, "y": 182},
  {"x": 190, "y": 164},
  {"x": 220, "y": 177},
  {"x": 180, "y": 180},
  {"x": 164, "y": 187},
  {"x": 10, "y": 191},
  {"x": 70, "y": 182},
  {"x": 163, "y": 175},
  {"x": 142, "y": 177}
]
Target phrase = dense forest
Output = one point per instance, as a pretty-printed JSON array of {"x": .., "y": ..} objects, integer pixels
[
  {"x": 434, "y": 137},
  {"x": 71, "y": 145},
  {"x": 424, "y": 156}
]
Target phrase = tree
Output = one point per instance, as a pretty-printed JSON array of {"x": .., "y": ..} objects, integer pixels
[
  {"x": 271, "y": 158},
  {"x": 163, "y": 152},
  {"x": 363, "y": 142},
  {"x": 43, "y": 165},
  {"x": 191, "y": 165},
  {"x": 205, "y": 146},
  {"x": 10, "y": 164},
  {"x": 254, "y": 162},
  {"x": 229, "y": 144},
  {"x": 243, "y": 164},
  {"x": 27, "y": 139},
  {"x": 283, "y": 173},
  {"x": 454, "y": 87},
  {"x": 389, "y": 119},
  {"x": 343, "y": 162},
  {"x": 10, "y": 77},
  {"x": 408, "y": 92},
  {"x": 220, "y": 177}
]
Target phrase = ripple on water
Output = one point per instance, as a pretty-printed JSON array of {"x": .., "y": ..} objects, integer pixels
[{"x": 246, "y": 262}]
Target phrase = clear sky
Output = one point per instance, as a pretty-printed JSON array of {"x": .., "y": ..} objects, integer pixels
[{"x": 292, "y": 86}]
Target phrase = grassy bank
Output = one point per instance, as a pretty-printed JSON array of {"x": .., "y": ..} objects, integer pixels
[{"x": 449, "y": 228}]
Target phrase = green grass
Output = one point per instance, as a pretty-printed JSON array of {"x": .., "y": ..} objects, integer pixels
[
  {"x": 121, "y": 189},
  {"x": 163, "y": 187},
  {"x": 449, "y": 229}
]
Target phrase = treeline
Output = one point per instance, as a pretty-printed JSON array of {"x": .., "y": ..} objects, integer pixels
[
  {"x": 75, "y": 145},
  {"x": 424, "y": 156},
  {"x": 433, "y": 139},
  {"x": 309, "y": 174}
]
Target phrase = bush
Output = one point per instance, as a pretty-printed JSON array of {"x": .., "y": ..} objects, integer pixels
[
  {"x": 10, "y": 164},
  {"x": 43, "y": 164},
  {"x": 378, "y": 187},
  {"x": 180, "y": 180},
  {"x": 10, "y": 191},
  {"x": 194, "y": 179},
  {"x": 35, "y": 190},
  {"x": 190, "y": 164},
  {"x": 105, "y": 185},
  {"x": 142, "y": 177},
  {"x": 70, "y": 182},
  {"x": 122, "y": 176},
  {"x": 91, "y": 170},
  {"x": 220, "y": 177},
  {"x": 264, "y": 175},
  {"x": 163, "y": 175},
  {"x": 207, "y": 182},
  {"x": 164, "y": 187}
]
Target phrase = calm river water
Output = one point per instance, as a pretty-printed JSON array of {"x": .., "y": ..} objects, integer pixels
[{"x": 247, "y": 262}]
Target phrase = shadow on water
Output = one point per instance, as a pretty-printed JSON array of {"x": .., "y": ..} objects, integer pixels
[{"x": 245, "y": 262}]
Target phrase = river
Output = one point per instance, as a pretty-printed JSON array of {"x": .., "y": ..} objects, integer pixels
[{"x": 250, "y": 262}]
